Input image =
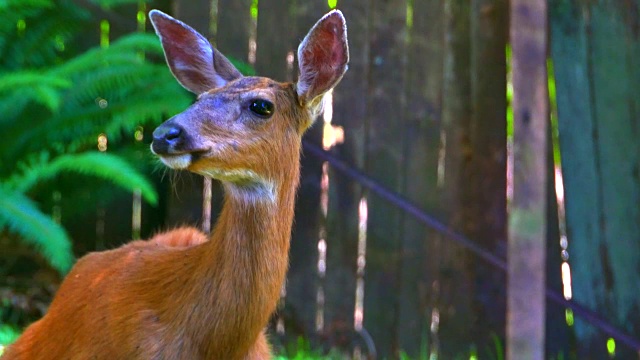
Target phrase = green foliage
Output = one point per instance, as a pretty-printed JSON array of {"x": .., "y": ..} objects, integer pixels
[
  {"x": 103, "y": 165},
  {"x": 114, "y": 91},
  {"x": 498, "y": 350},
  {"x": 22, "y": 216},
  {"x": 57, "y": 97},
  {"x": 32, "y": 31},
  {"x": 115, "y": 3},
  {"x": 302, "y": 350},
  {"x": 8, "y": 334}
]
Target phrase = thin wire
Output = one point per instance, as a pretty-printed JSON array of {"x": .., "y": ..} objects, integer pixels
[{"x": 437, "y": 225}]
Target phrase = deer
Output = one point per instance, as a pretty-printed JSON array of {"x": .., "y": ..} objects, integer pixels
[{"x": 183, "y": 294}]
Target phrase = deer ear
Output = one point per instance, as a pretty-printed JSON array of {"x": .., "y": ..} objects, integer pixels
[
  {"x": 193, "y": 61},
  {"x": 322, "y": 56}
]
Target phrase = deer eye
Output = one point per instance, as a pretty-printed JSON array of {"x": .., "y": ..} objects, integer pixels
[{"x": 262, "y": 108}]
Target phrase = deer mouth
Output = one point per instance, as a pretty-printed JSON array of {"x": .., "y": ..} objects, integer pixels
[
  {"x": 177, "y": 162},
  {"x": 180, "y": 160}
]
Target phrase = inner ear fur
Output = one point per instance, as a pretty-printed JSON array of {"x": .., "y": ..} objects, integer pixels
[
  {"x": 196, "y": 65},
  {"x": 323, "y": 56}
]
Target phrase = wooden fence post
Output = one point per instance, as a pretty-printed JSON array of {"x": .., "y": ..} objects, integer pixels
[{"x": 527, "y": 246}]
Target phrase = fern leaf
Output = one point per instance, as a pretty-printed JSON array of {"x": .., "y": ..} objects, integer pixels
[
  {"x": 137, "y": 42},
  {"x": 125, "y": 50},
  {"x": 44, "y": 89},
  {"x": 112, "y": 3},
  {"x": 35, "y": 46},
  {"x": 13, "y": 80},
  {"x": 21, "y": 216},
  {"x": 102, "y": 165},
  {"x": 10, "y": 4}
]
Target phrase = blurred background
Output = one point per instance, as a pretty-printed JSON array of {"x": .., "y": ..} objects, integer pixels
[{"x": 426, "y": 110}]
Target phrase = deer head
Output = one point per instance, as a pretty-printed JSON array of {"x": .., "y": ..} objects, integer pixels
[{"x": 241, "y": 129}]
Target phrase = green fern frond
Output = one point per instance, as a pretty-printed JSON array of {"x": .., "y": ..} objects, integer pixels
[
  {"x": 113, "y": 3},
  {"x": 13, "y": 80},
  {"x": 102, "y": 165},
  {"x": 21, "y": 216},
  {"x": 127, "y": 120},
  {"x": 19, "y": 10},
  {"x": 35, "y": 46},
  {"x": 95, "y": 60},
  {"x": 137, "y": 42},
  {"x": 81, "y": 125},
  {"x": 112, "y": 82},
  {"x": 126, "y": 50},
  {"x": 41, "y": 88},
  {"x": 7, "y": 5},
  {"x": 12, "y": 105},
  {"x": 136, "y": 94}
]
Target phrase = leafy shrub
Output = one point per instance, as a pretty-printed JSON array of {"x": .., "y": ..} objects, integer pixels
[{"x": 56, "y": 99}]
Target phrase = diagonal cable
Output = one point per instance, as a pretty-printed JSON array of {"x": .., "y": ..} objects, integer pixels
[{"x": 405, "y": 205}]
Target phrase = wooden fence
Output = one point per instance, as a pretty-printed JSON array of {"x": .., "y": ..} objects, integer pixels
[
  {"x": 405, "y": 112},
  {"x": 422, "y": 109}
]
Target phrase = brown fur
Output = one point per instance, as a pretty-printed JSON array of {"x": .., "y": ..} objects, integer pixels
[{"x": 181, "y": 295}]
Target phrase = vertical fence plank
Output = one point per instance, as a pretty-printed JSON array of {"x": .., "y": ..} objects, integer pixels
[
  {"x": 421, "y": 151},
  {"x": 527, "y": 218},
  {"x": 576, "y": 128},
  {"x": 485, "y": 199},
  {"x": 596, "y": 49},
  {"x": 306, "y": 232},
  {"x": 195, "y": 13},
  {"x": 556, "y": 328},
  {"x": 349, "y": 109},
  {"x": 303, "y": 280},
  {"x": 615, "y": 59},
  {"x": 234, "y": 28},
  {"x": 276, "y": 20},
  {"x": 454, "y": 283},
  {"x": 384, "y": 156},
  {"x": 277, "y": 36}
]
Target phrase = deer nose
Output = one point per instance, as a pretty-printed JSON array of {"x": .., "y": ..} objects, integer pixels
[{"x": 165, "y": 138}]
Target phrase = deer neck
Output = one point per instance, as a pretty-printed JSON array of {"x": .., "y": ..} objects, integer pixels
[{"x": 246, "y": 260}]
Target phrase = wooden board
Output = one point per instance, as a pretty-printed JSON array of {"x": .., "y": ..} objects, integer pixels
[
  {"x": 595, "y": 49},
  {"x": 383, "y": 161}
]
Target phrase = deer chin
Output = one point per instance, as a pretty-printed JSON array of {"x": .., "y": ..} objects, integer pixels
[
  {"x": 241, "y": 176},
  {"x": 177, "y": 162},
  {"x": 243, "y": 183}
]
